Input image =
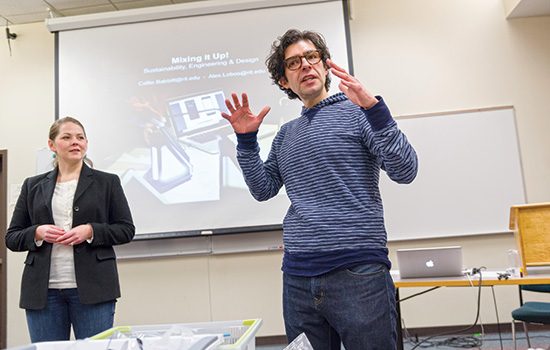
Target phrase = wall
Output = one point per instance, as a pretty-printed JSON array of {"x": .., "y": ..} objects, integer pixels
[
  {"x": 26, "y": 112},
  {"x": 423, "y": 56}
]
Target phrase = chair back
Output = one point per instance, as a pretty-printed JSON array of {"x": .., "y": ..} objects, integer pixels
[
  {"x": 541, "y": 288},
  {"x": 531, "y": 226}
]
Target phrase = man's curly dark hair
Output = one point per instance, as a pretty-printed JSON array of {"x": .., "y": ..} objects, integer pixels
[{"x": 275, "y": 63}]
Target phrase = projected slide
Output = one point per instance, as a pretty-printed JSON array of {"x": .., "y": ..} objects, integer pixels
[{"x": 151, "y": 95}]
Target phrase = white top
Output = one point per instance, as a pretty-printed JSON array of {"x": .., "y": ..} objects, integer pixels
[{"x": 62, "y": 273}]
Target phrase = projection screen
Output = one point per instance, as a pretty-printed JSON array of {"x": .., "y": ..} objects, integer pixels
[{"x": 149, "y": 87}]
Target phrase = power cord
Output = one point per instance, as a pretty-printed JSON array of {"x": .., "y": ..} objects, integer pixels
[
  {"x": 477, "y": 270},
  {"x": 482, "y": 334},
  {"x": 461, "y": 342},
  {"x": 474, "y": 272}
]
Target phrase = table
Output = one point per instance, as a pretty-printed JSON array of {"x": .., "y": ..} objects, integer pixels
[{"x": 489, "y": 278}]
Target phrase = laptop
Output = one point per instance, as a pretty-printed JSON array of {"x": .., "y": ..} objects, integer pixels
[
  {"x": 430, "y": 262},
  {"x": 197, "y": 120}
]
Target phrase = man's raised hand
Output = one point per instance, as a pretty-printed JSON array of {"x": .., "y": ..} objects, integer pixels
[
  {"x": 241, "y": 117},
  {"x": 352, "y": 87}
]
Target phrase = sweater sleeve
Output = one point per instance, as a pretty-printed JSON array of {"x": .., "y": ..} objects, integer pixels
[
  {"x": 262, "y": 178},
  {"x": 390, "y": 145}
]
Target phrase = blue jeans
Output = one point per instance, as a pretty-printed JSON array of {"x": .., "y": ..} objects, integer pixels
[
  {"x": 65, "y": 309},
  {"x": 353, "y": 306}
]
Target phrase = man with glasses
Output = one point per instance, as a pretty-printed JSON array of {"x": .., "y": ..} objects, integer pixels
[{"x": 336, "y": 281}]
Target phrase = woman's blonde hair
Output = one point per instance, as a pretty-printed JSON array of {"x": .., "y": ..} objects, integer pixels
[{"x": 54, "y": 131}]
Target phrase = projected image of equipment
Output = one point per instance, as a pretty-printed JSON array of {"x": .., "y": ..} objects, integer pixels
[
  {"x": 197, "y": 120},
  {"x": 170, "y": 164}
]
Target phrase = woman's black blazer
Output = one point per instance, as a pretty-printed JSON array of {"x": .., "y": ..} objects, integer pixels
[{"x": 99, "y": 201}]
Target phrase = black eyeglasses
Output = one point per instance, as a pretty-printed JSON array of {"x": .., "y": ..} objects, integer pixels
[{"x": 295, "y": 62}]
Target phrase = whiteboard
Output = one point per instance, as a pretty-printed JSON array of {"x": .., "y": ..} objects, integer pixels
[{"x": 469, "y": 176}]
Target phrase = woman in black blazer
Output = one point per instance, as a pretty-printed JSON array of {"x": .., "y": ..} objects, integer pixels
[{"x": 68, "y": 220}]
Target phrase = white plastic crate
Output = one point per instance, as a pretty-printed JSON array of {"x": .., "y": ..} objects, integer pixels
[
  {"x": 237, "y": 335},
  {"x": 166, "y": 342}
]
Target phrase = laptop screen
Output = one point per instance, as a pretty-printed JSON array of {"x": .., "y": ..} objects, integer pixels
[{"x": 198, "y": 112}]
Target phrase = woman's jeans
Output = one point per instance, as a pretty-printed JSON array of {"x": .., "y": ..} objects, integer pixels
[
  {"x": 354, "y": 306},
  {"x": 65, "y": 309}
]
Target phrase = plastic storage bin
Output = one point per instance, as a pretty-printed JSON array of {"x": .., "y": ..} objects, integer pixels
[
  {"x": 180, "y": 342},
  {"x": 237, "y": 335}
]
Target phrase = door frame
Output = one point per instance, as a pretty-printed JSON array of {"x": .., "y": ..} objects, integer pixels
[{"x": 3, "y": 251}]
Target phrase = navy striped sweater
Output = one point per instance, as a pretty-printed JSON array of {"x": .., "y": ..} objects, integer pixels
[{"x": 329, "y": 161}]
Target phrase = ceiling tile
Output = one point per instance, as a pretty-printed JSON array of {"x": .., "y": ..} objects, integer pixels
[
  {"x": 183, "y": 1},
  {"x": 87, "y": 10},
  {"x": 72, "y": 4},
  {"x": 21, "y": 7},
  {"x": 141, "y": 4},
  {"x": 27, "y": 18}
]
